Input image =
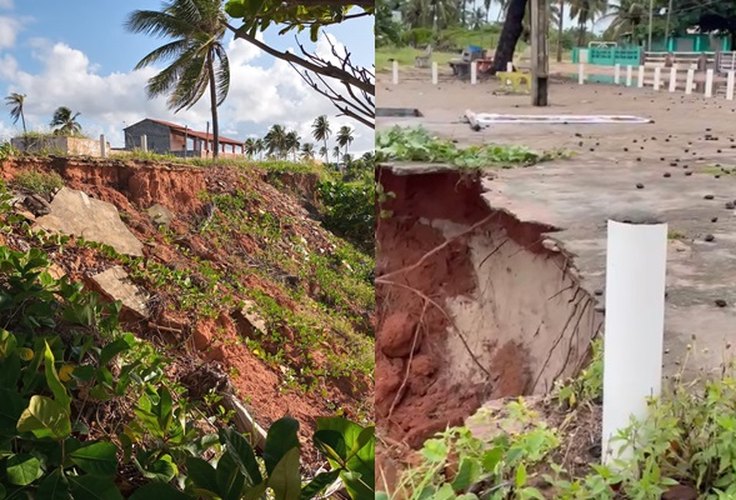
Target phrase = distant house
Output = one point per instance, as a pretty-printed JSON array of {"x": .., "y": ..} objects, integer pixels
[{"x": 170, "y": 138}]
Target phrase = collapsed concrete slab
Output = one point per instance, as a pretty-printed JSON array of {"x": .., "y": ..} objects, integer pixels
[{"x": 76, "y": 214}]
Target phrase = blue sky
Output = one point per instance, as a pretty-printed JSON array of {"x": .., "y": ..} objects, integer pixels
[{"x": 77, "y": 53}]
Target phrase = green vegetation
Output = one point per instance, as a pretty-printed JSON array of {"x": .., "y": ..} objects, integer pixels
[
  {"x": 7, "y": 150},
  {"x": 416, "y": 144},
  {"x": 38, "y": 182}
]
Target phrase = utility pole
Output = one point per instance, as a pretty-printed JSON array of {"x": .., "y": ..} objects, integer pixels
[
  {"x": 540, "y": 56},
  {"x": 651, "y": 19}
]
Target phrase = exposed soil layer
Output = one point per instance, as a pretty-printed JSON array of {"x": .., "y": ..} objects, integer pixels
[
  {"x": 472, "y": 304},
  {"x": 219, "y": 339}
]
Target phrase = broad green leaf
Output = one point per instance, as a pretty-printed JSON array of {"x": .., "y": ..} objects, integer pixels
[
  {"x": 11, "y": 408},
  {"x": 319, "y": 483},
  {"x": 96, "y": 458},
  {"x": 491, "y": 458},
  {"x": 113, "y": 349},
  {"x": 8, "y": 343},
  {"x": 358, "y": 486},
  {"x": 445, "y": 493},
  {"x": 164, "y": 469},
  {"x": 22, "y": 470},
  {"x": 435, "y": 450},
  {"x": 281, "y": 438},
  {"x": 467, "y": 474},
  {"x": 202, "y": 474},
  {"x": 158, "y": 491},
  {"x": 52, "y": 378},
  {"x": 285, "y": 480},
  {"x": 520, "y": 479},
  {"x": 45, "y": 418},
  {"x": 255, "y": 492},
  {"x": 242, "y": 454},
  {"x": 92, "y": 487},
  {"x": 54, "y": 487},
  {"x": 230, "y": 480}
]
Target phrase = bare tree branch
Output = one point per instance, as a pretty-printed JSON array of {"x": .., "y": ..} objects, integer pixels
[{"x": 363, "y": 4}]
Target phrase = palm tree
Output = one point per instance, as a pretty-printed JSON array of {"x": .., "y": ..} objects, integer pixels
[
  {"x": 487, "y": 6},
  {"x": 275, "y": 141},
  {"x": 291, "y": 143},
  {"x": 345, "y": 137},
  {"x": 336, "y": 153},
  {"x": 325, "y": 151},
  {"x": 585, "y": 11},
  {"x": 250, "y": 147},
  {"x": 259, "y": 147},
  {"x": 321, "y": 132},
  {"x": 307, "y": 151},
  {"x": 16, "y": 102},
  {"x": 197, "y": 28},
  {"x": 626, "y": 17},
  {"x": 66, "y": 122}
]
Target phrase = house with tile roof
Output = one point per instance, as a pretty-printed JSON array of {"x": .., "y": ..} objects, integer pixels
[{"x": 171, "y": 138}]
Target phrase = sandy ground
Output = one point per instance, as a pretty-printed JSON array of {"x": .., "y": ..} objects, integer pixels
[{"x": 578, "y": 195}]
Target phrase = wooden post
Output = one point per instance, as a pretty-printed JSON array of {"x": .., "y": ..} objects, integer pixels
[
  {"x": 657, "y": 77},
  {"x": 689, "y": 81},
  {"x": 730, "y": 85},
  {"x": 673, "y": 78},
  {"x": 395, "y": 68},
  {"x": 709, "y": 83},
  {"x": 540, "y": 57},
  {"x": 435, "y": 73}
]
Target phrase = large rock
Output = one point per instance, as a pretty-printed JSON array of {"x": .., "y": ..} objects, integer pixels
[
  {"x": 160, "y": 215},
  {"x": 75, "y": 213},
  {"x": 115, "y": 285}
]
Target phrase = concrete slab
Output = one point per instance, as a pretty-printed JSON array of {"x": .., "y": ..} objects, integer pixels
[{"x": 578, "y": 195}]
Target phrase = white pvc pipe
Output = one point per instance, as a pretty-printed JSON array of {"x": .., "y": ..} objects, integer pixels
[
  {"x": 629, "y": 75},
  {"x": 640, "y": 82},
  {"x": 657, "y": 77},
  {"x": 673, "y": 79},
  {"x": 617, "y": 74},
  {"x": 435, "y": 73},
  {"x": 473, "y": 73},
  {"x": 730, "y": 85},
  {"x": 144, "y": 142},
  {"x": 632, "y": 345},
  {"x": 395, "y": 71},
  {"x": 689, "y": 82},
  {"x": 581, "y": 74},
  {"x": 103, "y": 146},
  {"x": 709, "y": 83}
]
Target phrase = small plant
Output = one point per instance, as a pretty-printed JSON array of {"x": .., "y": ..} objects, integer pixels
[
  {"x": 587, "y": 387},
  {"x": 38, "y": 182}
]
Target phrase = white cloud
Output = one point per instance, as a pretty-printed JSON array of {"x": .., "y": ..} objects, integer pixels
[
  {"x": 262, "y": 92},
  {"x": 6, "y": 4},
  {"x": 9, "y": 28}
]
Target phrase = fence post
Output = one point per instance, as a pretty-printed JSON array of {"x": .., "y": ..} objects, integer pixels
[
  {"x": 473, "y": 72},
  {"x": 103, "y": 146},
  {"x": 640, "y": 82},
  {"x": 581, "y": 74},
  {"x": 509, "y": 67},
  {"x": 689, "y": 82},
  {"x": 629, "y": 71},
  {"x": 709, "y": 82},
  {"x": 617, "y": 74},
  {"x": 730, "y": 84},
  {"x": 395, "y": 72},
  {"x": 657, "y": 77},
  {"x": 435, "y": 73},
  {"x": 673, "y": 78},
  {"x": 144, "y": 143}
]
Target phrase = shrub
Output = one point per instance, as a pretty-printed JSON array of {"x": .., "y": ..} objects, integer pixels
[{"x": 38, "y": 182}]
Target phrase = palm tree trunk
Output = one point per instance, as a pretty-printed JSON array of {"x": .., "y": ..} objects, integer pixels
[
  {"x": 213, "y": 100},
  {"x": 581, "y": 35},
  {"x": 327, "y": 152},
  {"x": 559, "y": 30},
  {"x": 510, "y": 33}
]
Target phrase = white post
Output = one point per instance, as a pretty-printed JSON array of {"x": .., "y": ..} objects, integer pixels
[
  {"x": 103, "y": 146},
  {"x": 581, "y": 74},
  {"x": 435, "y": 73},
  {"x": 657, "y": 77},
  {"x": 632, "y": 351},
  {"x": 640, "y": 82},
  {"x": 673, "y": 78},
  {"x": 395, "y": 71},
  {"x": 709, "y": 83},
  {"x": 617, "y": 74},
  {"x": 689, "y": 82},
  {"x": 509, "y": 67},
  {"x": 473, "y": 72},
  {"x": 730, "y": 84},
  {"x": 629, "y": 74}
]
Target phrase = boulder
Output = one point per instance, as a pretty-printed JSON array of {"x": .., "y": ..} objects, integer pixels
[
  {"x": 115, "y": 285},
  {"x": 74, "y": 213},
  {"x": 160, "y": 215}
]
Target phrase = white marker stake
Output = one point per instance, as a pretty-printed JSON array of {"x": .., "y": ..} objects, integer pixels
[
  {"x": 617, "y": 74},
  {"x": 729, "y": 85},
  {"x": 689, "y": 82},
  {"x": 581, "y": 74},
  {"x": 103, "y": 146},
  {"x": 673, "y": 79},
  {"x": 395, "y": 68},
  {"x": 632, "y": 350},
  {"x": 640, "y": 82},
  {"x": 435, "y": 73},
  {"x": 657, "y": 77},
  {"x": 473, "y": 73},
  {"x": 509, "y": 67},
  {"x": 144, "y": 142},
  {"x": 629, "y": 75},
  {"x": 709, "y": 83}
]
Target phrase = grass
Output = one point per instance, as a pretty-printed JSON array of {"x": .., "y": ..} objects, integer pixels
[
  {"x": 405, "y": 56},
  {"x": 38, "y": 182},
  {"x": 718, "y": 170}
]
